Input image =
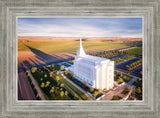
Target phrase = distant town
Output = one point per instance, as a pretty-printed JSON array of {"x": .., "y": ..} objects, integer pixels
[{"x": 79, "y": 68}]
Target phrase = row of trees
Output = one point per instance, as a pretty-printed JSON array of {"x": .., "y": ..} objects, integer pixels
[
  {"x": 95, "y": 92},
  {"x": 107, "y": 54},
  {"x": 84, "y": 85},
  {"x": 125, "y": 57},
  {"x": 138, "y": 89},
  {"x": 133, "y": 65},
  {"x": 120, "y": 77},
  {"x": 37, "y": 95}
]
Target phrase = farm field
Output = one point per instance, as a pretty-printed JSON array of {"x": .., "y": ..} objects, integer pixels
[
  {"x": 68, "y": 46},
  {"x": 136, "y": 51}
]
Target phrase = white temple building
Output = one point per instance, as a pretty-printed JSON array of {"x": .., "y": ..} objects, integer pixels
[{"x": 98, "y": 72}]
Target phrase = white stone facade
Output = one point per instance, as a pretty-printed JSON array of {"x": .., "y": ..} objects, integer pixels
[{"x": 98, "y": 72}]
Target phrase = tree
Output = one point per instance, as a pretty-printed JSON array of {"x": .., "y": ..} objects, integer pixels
[
  {"x": 66, "y": 72},
  {"x": 126, "y": 90},
  {"x": 32, "y": 83},
  {"x": 91, "y": 89},
  {"x": 51, "y": 74},
  {"x": 141, "y": 73},
  {"x": 52, "y": 90},
  {"x": 38, "y": 96},
  {"x": 33, "y": 69},
  {"x": 61, "y": 93},
  {"x": 73, "y": 76},
  {"x": 47, "y": 83},
  {"x": 138, "y": 90},
  {"x": 42, "y": 85},
  {"x": 57, "y": 78},
  {"x": 120, "y": 80},
  {"x": 62, "y": 68},
  {"x": 61, "y": 85},
  {"x": 95, "y": 94},
  {"x": 45, "y": 76},
  {"x": 66, "y": 93},
  {"x": 99, "y": 91},
  {"x": 57, "y": 73}
]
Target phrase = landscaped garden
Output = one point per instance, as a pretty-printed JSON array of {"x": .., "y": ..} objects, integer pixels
[
  {"x": 120, "y": 77},
  {"x": 126, "y": 90},
  {"x": 138, "y": 89},
  {"x": 95, "y": 92},
  {"x": 116, "y": 97},
  {"x": 107, "y": 54},
  {"x": 76, "y": 90},
  {"x": 50, "y": 86}
]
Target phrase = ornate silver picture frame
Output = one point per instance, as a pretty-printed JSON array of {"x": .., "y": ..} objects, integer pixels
[{"x": 11, "y": 107}]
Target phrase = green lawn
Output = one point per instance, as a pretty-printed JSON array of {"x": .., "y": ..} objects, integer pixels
[
  {"x": 68, "y": 46},
  {"x": 136, "y": 51}
]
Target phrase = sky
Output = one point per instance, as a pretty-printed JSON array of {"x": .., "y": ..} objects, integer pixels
[{"x": 80, "y": 27}]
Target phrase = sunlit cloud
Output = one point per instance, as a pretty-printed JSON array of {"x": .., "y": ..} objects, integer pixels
[{"x": 80, "y": 27}]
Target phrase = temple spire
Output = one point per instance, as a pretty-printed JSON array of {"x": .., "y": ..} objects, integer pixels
[{"x": 80, "y": 52}]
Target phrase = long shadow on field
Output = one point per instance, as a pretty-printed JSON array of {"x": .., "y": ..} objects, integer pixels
[
  {"x": 46, "y": 58},
  {"x": 43, "y": 56}
]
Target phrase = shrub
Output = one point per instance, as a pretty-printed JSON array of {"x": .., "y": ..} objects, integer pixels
[
  {"x": 42, "y": 85},
  {"x": 126, "y": 90},
  {"x": 45, "y": 76},
  {"x": 115, "y": 97},
  {"x": 33, "y": 69},
  {"x": 120, "y": 80},
  {"x": 57, "y": 73},
  {"x": 91, "y": 89},
  {"x": 66, "y": 93},
  {"x": 62, "y": 68},
  {"x": 61, "y": 93},
  {"x": 85, "y": 83},
  {"x": 57, "y": 78},
  {"x": 95, "y": 94},
  {"x": 99, "y": 91},
  {"x": 38, "y": 96}
]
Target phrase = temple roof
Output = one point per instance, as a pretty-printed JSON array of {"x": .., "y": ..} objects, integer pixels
[{"x": 81, "y": 55}]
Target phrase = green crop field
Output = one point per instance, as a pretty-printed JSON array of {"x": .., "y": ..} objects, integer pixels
[
  {"x": 68, "y": 46},
  {"x": 135, "y": 51}
]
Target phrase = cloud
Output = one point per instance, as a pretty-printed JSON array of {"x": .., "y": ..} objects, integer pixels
[{"x": 79, "y": 27}]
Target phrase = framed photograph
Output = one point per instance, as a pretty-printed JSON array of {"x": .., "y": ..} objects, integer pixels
[
  {"x": 108, "y": 66},
  {"x": 79, "y": 59}
]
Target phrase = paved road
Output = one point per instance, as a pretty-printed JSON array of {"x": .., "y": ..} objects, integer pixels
[
  {"x": 136, "y": 71},
  {"x": 38, "y": 89},
  {"x": 127, "y": 62},
  {"x": 25, "y": 91}
]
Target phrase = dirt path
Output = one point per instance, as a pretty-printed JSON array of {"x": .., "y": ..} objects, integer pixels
[{"x": 25, "y": 91}]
